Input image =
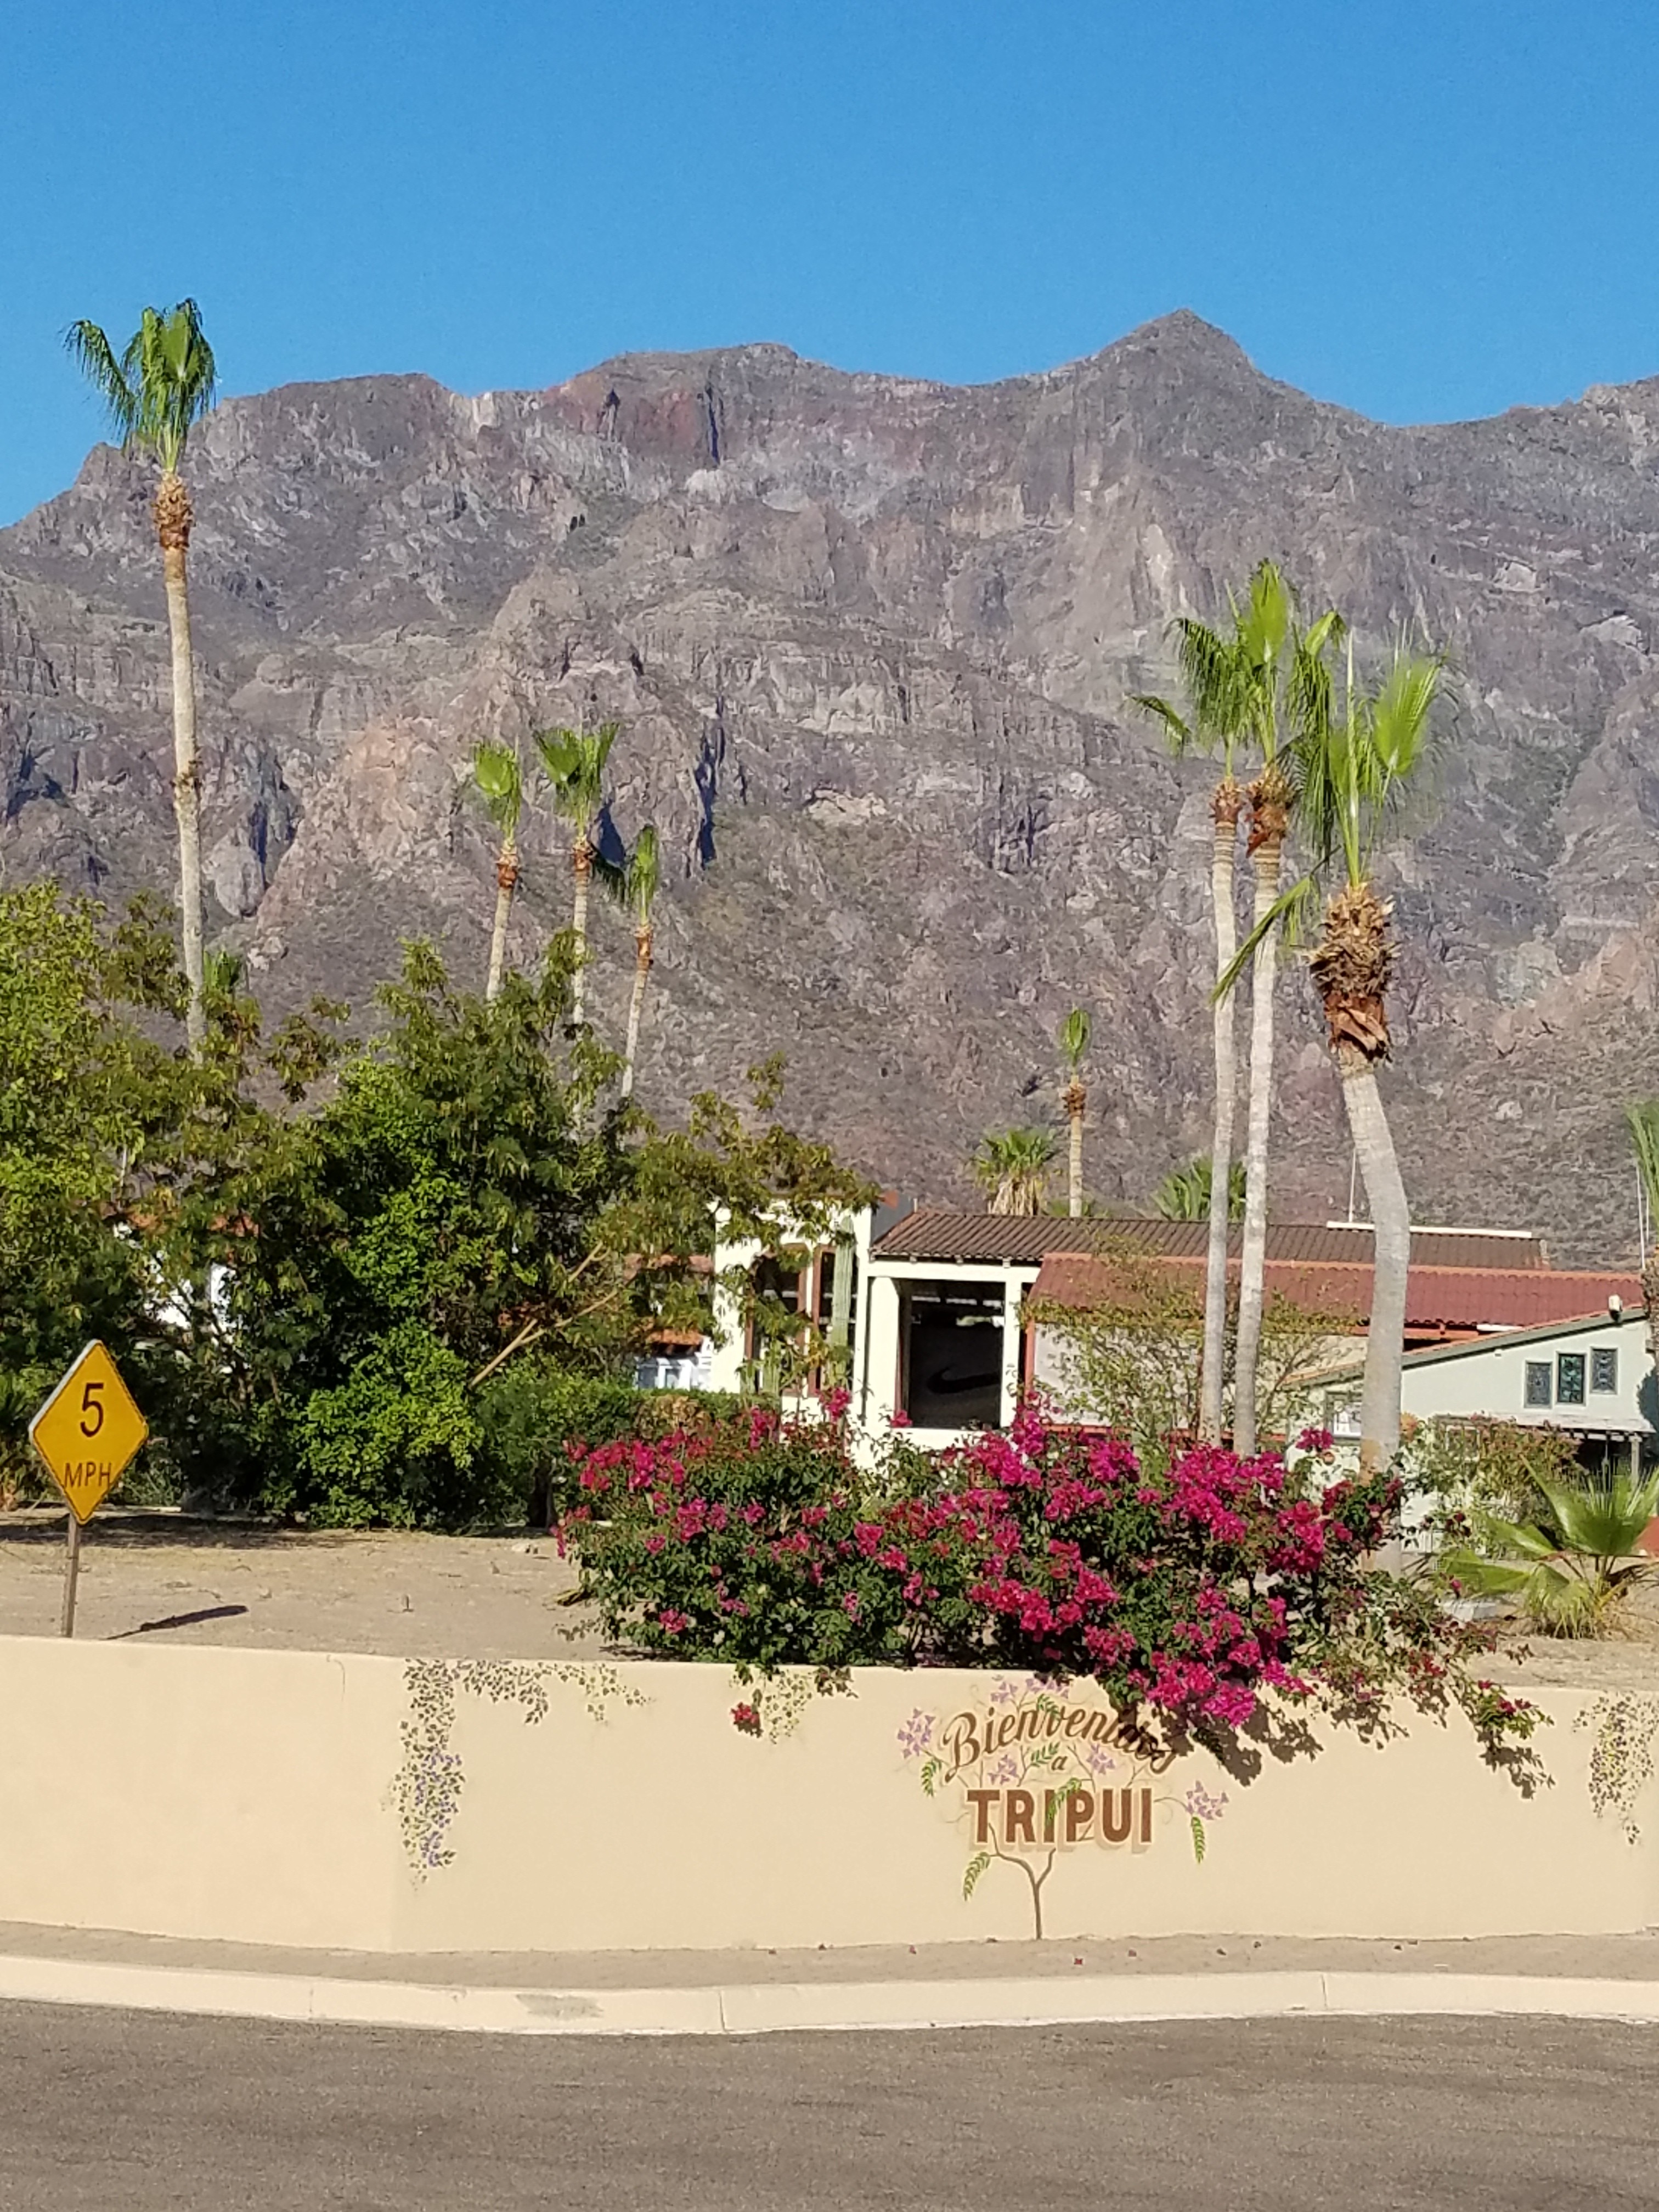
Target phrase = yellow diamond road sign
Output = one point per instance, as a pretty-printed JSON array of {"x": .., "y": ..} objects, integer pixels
[{"x": 87, "y": 1430}]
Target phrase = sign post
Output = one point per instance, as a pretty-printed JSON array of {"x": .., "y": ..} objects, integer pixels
[{"x": 87, "y": 1433}]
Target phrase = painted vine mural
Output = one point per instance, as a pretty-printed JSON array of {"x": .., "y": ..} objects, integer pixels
[{"x": 426, "y": 1791}]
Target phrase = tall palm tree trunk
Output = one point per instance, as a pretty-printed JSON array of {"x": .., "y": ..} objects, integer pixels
[
  {"x": 1350, "y": 972},
  {"x": 1385, "y": 1194},
  {"x": 1076, "y": 1101},
  {"x": 1225, "y": 808},
  {"x": 1268, "y": 824},
  {"x": 581, "y": 860},
  {"x": 506, "y": 877},
  {"x": 173, "y": 523},
  {"x": 642, "y": 969}
]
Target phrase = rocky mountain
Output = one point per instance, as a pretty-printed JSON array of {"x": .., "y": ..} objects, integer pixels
[{"x": 871, "y": 641}]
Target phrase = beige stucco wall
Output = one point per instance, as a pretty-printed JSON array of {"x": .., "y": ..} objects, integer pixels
[{"x": 262, "y": 1797}]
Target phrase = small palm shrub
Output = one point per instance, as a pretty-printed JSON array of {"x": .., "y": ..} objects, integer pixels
[{"x": 1570, "y": 1570}]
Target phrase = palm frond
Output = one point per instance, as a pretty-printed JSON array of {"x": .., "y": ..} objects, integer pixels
[
  {"x": 1072, "y": 1038},
  {"x": 1290, "y": 912},
  {"x": 1180, "y": 732},
  {"x": 1184, "y": 1192},
  {"x": 643, "y": 875},
  {"x": 93, "y": 354},
  {"x": 1603, "y": 1519},
  {"x": 498, "y": 783},
  {"x": 1401, "y": 712},
  {"x": 1215, "y": 685},
  {"x": 164, "y": 381},
  {"x": 1261, "y": 624},
  {"x": 1012, "y": 1166},
  {"x": 1642, "y": 1118},
  {"x": 575, "y": 762}
]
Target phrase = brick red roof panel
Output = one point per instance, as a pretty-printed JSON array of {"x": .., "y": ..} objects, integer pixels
[
  {"x": 1012, "y": 1240},
  {"x": 1446, "y": 1298}
]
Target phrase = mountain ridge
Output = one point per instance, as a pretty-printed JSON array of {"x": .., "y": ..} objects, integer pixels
[{"x": 872, "y": 640}]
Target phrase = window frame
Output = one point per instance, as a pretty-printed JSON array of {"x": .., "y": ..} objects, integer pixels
[
  {"x": 1529, "y": 1399},
  {"x": 1604, "y": 1357},
  {"x": 1578, "y": 1395}
]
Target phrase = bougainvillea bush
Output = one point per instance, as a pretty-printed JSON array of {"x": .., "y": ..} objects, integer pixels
[{"x": 1194, "y": 1595}]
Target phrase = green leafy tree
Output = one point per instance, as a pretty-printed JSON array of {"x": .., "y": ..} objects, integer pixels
[
  {"x": 1131, "y": 1359},
  {"x": 118, "y": 1157},
  {"x": 499, "y": 783},
  {"x": 156, "y": 391},
  {"x": 574, "y": 761},
  {"x": 1012, "y": 1168},
  {"x": 1073, "y": 1042}
]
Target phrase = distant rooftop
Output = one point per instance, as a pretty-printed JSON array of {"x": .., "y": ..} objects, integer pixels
[
  {"x": 1441, "y": 1303},
  {"x": 933, "y": 1233}
]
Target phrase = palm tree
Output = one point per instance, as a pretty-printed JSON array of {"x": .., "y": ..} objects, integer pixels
[
  {"x": 1188, "y": 1195},
  {"x": 1355, "y": 769},
  {"x": 499, "y": 784},
  {"x": 1074, "y": 1041},
  {"x": 1012, "y": 1168},
  {"x": 1643, "y": 1120},
  {"x": 156, "y": 391},
  {"x": 641, "y": 879},
  {"x": 1241, "y": 687},
  {"x": 1571, "y": 1569},
  {"x": 574, "y": 761}
]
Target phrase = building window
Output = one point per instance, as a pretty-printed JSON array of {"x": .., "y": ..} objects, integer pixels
[
  {"x": 1570, "y": 1379},
  {"x": 951, "y": 1354},
  {"x": 1604, "y": 1368},
  {"x": 1538, "y": 1382},
  {"x": 772, "y": 1348}
]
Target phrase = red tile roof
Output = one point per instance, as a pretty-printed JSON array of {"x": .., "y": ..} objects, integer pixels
[
  {"x": 1441, "y": 1302},
  {"x": 1016, "y": 1240}
]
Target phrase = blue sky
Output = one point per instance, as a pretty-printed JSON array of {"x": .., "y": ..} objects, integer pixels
[{"x": 1419, "y": 208}]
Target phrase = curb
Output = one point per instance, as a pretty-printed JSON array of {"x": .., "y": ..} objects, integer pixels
[{"x": 779, "y": 2008}]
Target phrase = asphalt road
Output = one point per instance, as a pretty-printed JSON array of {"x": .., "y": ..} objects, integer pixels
[{"x": 131, "y": 2112}]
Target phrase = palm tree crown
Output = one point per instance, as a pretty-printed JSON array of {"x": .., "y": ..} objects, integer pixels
[
  {"x": 498, "y": 783},
  {"x": 155, "y": 393},
  {"x": 1184, "y": 1192},
  {"x": 160, "y": 387},
  {"x": 574, "y": 761},
  {"x": 1642, "y": 1118},
  {"x": 636, "y": 887},
  {"x": 641, "y": 878},
  {"x": 1012, "y": 1167}
]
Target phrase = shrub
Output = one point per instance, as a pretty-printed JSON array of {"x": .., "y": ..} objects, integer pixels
[
  {"x": 1478, "y": 1469},
  {"x": 1188, "y": 1594},
  {"x": 534, "y": 1415}
]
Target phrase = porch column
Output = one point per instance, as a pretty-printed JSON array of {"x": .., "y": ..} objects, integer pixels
[{"x": 1012, "y": 1346}]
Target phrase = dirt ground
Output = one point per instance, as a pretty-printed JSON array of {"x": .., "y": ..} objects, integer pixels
[
  {"x": 158, "y": 1575},
  {"x": 173, "y": 1581}
]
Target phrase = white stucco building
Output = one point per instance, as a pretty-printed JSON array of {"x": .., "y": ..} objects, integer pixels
[{"x": 1591, "y": 1378}]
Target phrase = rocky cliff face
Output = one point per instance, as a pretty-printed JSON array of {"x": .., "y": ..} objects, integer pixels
[{"x": 871, "y": 641}]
